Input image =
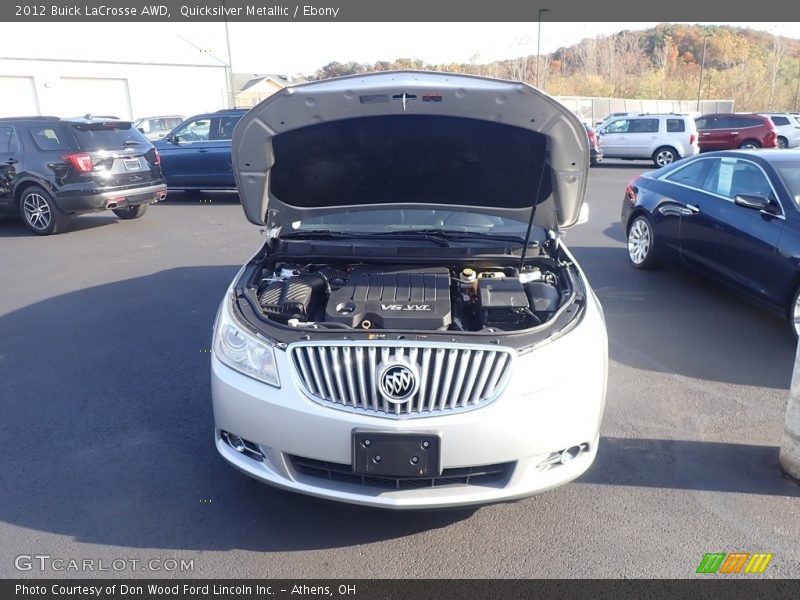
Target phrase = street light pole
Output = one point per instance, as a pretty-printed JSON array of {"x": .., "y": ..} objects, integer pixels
[
  {"x": 539, "y": 42},
  {"x": 702, "y": 66},
  {"x": 797, "y": 91},
  {"x": 229, "y": 67}
]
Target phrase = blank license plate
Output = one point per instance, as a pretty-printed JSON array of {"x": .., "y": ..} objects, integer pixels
[
  {"x": 132, "y": 164},
  {"x": 396, "y": 454}
]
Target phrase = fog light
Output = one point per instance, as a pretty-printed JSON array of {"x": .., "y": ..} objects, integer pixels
[
  {"x": 570, "y": 454},
  {"x": 235, "y": 442}
]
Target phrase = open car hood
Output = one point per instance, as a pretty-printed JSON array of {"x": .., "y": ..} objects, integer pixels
[{"x": 411, "y": 140}]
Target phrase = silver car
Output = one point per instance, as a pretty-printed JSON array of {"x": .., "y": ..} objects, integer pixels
[{"x": 413, "y": 333}]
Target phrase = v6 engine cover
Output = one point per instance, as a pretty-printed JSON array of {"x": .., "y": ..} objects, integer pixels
[{"x": 405, "y": 299}]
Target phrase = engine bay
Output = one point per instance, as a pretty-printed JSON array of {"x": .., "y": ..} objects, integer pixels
[{"x": 420, "y": 298}]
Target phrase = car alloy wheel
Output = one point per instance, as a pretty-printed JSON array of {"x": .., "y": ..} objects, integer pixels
[
  {"x": 640, "y": 243},
  {"x": 782, "y": 143},
  {"x": 796, "y": 315},
  {"x": 664, "y": 157},
  {"x": 37, "y": 211}
]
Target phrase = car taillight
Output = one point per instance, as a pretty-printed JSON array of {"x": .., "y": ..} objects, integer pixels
[
  {"x": 81, "y": 161},
  {"x": 692, "y": 138},
  {"x": 157, "y": 159},
  {"x": 630, "y": 192},
  {"x": 771, "y": 139}
]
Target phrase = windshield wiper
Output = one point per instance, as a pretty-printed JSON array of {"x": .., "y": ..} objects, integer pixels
[
  {"x": 450, "y": 234},
  {"x": 396, "y": 235}
]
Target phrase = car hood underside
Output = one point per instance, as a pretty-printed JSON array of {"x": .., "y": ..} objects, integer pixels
[{"x": 411, "y": 140}]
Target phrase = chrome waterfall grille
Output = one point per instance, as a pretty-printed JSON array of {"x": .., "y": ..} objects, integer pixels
[{"x": 392, "y": 379}]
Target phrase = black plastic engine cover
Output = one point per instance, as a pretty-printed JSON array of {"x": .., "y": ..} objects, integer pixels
[
  {"x": 293, "y": 298},
  {"x": 404, "y": 299},
  {"x": 504, "y": 304}
]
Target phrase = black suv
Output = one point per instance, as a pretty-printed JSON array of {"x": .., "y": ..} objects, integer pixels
[{"x": 52, "y": 169}]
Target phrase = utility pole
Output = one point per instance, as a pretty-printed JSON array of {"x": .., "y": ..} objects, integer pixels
[
  {"x": 539, "y": 42},
  {"x": 229, "y": 67},
  {"x": 702, "y": 66},
  {"x": 797, "y": 91}
]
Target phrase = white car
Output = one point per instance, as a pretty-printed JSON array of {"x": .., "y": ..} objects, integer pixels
[
  {"x": 788, "y": 127},
  {"x": 155, "y": 128},
  {"x": 662, "y": 138},
  {"x": 414, "y": 333}
]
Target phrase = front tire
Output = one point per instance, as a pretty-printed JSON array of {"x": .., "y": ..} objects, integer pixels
[
  {"x": 40, "y": 213},
  {"x": 131, "y": 212},
  {"x": 794, "y": 314},
  {"x": 783, "y": 142},
  {"x": 664, "y": 156},
  {"x": 642, "y": 243}
]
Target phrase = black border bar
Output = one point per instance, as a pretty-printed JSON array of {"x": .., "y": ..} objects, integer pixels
[
  {"x": 398, "y": 11},
  {"x": 711, "y": 587}
]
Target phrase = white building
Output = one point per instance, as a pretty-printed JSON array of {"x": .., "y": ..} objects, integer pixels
[{"x": 108, "y": 75}]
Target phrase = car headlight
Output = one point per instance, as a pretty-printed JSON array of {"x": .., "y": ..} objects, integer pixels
[{"x": 242, "y": 351}]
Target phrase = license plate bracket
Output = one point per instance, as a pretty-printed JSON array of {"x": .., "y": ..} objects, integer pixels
[{"x": 396, "y": 454}]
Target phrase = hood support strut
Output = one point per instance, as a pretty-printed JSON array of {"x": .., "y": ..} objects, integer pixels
[{"x": 533, "y": 214}]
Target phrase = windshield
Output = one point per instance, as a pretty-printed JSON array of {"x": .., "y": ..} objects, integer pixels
[
  {"x": 790, "y": 173},
  {"x": 103, "y": 136},
  {"x": 389, "y": 220}
]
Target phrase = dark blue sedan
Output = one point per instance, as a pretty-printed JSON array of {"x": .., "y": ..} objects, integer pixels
[{"x": 732, "y": 215}]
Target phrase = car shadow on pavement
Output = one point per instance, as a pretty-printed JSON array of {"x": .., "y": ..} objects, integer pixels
[
  {"x": 690, "y": 465},
  {"x": 616, "y": 233},
  {"x": 109, "y": 429},
  {"x": 200, "y": 197},
  {"x": 610, "y": 163},
  {"x": 677, "y": 322},
  {"x": 11, "y": 226}
]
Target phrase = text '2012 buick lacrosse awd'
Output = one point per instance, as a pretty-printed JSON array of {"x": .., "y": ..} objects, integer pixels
[{"x": 413, "y": 333}]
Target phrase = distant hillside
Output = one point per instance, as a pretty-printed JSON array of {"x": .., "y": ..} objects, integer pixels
[{"x": 756, "y": 69}]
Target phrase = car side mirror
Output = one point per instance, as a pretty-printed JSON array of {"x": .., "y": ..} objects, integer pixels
[
  {"x": 755, "y": 202},
  {"x": 583, "y": 216},
  {"x": 141, "y": 129}
]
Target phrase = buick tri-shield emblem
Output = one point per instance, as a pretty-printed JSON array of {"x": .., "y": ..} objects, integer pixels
[{"x": 397, "y": 382}]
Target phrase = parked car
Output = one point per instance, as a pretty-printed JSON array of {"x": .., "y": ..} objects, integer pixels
[
  {"x": 732, "y": 131},
  {"x": 613, "y": 116},
  {"x": 731, "y": 215},
  {"x": 788, "y": 127},
  {"x": 662, "y": 138},
  {"x": 52, "y": 169},
  {"x": 595, "y": 153},
  {"x": 196, "y": 155},
  {"x": 155, "y": 128},
  {"x": 378, "y": 349}
]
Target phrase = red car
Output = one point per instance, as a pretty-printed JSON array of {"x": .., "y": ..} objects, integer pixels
[
  {"x": 732, "y": 131},
  {"x": 595, "y": 153}
]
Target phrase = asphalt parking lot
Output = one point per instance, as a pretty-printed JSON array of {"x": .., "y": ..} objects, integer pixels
[{"x": 107, "y": 424}]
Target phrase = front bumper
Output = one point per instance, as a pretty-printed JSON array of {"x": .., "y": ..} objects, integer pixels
[
  {"x": 553, "y": 401},
  {"x": 89, "y": 200}
]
